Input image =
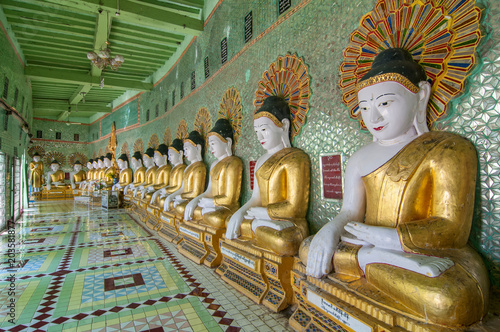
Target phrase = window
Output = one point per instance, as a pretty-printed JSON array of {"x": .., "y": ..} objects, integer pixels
[
  {"x": 182, "y": 90},
  {"x": 76, "y": 137},
  {"x": 58, "y": 135},
  {"x": 223, "y": 50},
  {"x": 207, "y": 68},
  {"x": 147, "y": 115},
  {"x": 157, "y": 111},
  {"x": 193, "y": 81},
  {"x": 283, "y": 6},
  {"x": 16, "y": 96},
  {"x": 5, "y": 88},
  {"x": 38, "y": 134},
  {"x": 166, "y": 105},
  {"x": 6, "y": 122},
  {"x": 173, "y": 97},
  {"x": 248, "y": 27}
]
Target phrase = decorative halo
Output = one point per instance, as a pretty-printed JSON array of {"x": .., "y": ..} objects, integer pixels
[
  {"x": 138, "y": 146},
  {"x": 100, "y": 153},
  {"x": 442, "y": 37},
  {"x": 125, "y": 150},
  {"x": 167, "y": 137},
  {"x": 94, "y": 155},
  {"x": 36, "y": 148},
  {"x": 287, "y": 77},
  {"x": 203, "y": 123},
  {"x": 106, "y": 151},
  {"x": 153, "y": 142},
  {"x": 55, "y": 155},
  {"x": 72, "y": 158},
  {"x": 182, "y": 130},
  {"x": 231, "y": 109}
]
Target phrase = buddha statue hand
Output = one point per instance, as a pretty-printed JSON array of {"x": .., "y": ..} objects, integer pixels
[
  {"x": 190, "y": 207},
  {"x": 168, "y": 200},
  {"x": 178, "y": 200},
  {"x": 210, "y": 209},
  {"x": 206, "y": 203},
  {"x": 378, "y": 236},
  {"x": 233, "y": 230},
  {"x": 274, "y": 224},
  {"x": 257, "y": 213},
  {"x": 156, "y": 194}
]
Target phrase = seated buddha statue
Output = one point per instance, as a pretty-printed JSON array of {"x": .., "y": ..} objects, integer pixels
[
  {"x": 78, "y": 175},
  {"x": 275, "y": 216},
  {"x": 109, "y": 172},
  {"x": 176, "y": 158},
  {"x": 162, "y": 175},
  {"x": 221, "y": 199},
  {"x": 125, "y": 176},
  {"x": 36, "y": 173},
  {"x": 55, "y": 177},
  {"x": 89, "y": 176},
  {"x": 149, "y": 176},
  {"x": 139, "y": 175},
  {"x": 95, "y": 175},
  {"x": 193, "y": 182},
  {"x": 408, "y": 205}
]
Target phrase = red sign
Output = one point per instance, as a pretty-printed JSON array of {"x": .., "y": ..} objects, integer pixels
[
  {"x": 331, "y": 174},
  {"x": 252, "y": 172}
]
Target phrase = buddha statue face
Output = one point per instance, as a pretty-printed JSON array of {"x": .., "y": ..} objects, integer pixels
[
  {"x": 77, "y": 167},
  {"x": 270, "y": 135},
  {"x": 219, "y": 148},
  {"x": 90, "y": 165},
  {"x": 54, "y": 167},
  {"x": 108, "y": 162},
  {"x": 192, "y": 153},
  {"x": 148, "y": 161},
  {"x": 160, "y": 159},
  {"x": 122, "y": 164},
  {"x": 36, "y": 159},
  {"x": 136, "y": 163},
  {"x": 100, "y": 163},
  {"x": 96, "y": 164},
  {"x": 175, "y": 157}
]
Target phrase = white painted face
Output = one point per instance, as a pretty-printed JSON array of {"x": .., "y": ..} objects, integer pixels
[
  {"x": 100, "y": 163},
  {"x": 190, "y": 151},
  {"x": 216, "y": 146},
  {"x": 36, "y": 159},
  {"x": 77, "y": 167},
  {"x": 159, "y": 159},
  {"x": 121, "y": 164},
  {"x": 388, "y": 109},
  {"x": 268, "y": 134},
  {"x": 148, "y": 161},
  {"x": 174, "y": 157},
  {"x": 96, "y": 164},
  {"x": 89, "y": 165},
  {"x": 108, "y": 162},
  {"x": 54, "y": 167}
]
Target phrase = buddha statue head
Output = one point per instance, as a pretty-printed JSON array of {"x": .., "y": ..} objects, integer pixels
[
  {"x": 100, "y": 162},
  {"x": 95, "y": 163},
  {"x": 90, "y": 164},
  {"x": 272, "y": 124},
  {"x": 122, "y": 161},
  {"x": 193, "y": 146},
  {"x": 108, "y": 160},
  {"x": 220, "y": 139},
  {"x": 36, "y": 157},
  {"x": 54, "y": 165},
  {"x": 176, "y": 152},
  {"x": 147, "y": 158},
  {"x": 77, "y": 166},
  {"x": 393, "y": 96},
  {"x": 161, "y": 154},
  {"x": 136, "y": 160}
]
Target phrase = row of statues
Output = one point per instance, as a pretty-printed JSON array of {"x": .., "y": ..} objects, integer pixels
[{"x": 405, "y": 219}]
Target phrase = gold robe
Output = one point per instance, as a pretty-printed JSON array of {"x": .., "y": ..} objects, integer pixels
[
  {"x": 284, "y": 181},
  {"x": 107, "y": 177},
  {"x": 174, "y": 184},
  {"x": 139, "y": 178},
  {"x": 125, "y": 177},
  {"x": 194, "y": 184},
  {"x": 162, "y": 178},
  {"x": 58, "y": 176},
  {"x": 36, "y": 174},
  {"x": 426, "y": 192},
  {"x": 79, "y": 177}
]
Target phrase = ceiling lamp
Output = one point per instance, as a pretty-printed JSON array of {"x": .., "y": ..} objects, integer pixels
[{"x": 104, "y": 59}]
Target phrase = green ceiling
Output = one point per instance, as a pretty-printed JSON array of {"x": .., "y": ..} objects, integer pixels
[{"x": 54, "y": 36}]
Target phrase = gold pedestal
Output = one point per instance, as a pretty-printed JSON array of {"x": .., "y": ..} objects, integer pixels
[
  {"x": 56, "y": 193},
  {"x": 192, "y": 245},
  {"x": 152, "y": 217},
  {"x": 169, "y": 227},
  {"x": 259, "y": 274},
  {"x": 348, "y": 304}
]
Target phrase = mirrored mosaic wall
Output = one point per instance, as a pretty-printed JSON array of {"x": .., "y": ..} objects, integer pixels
[{"x": 318, "y": 31}]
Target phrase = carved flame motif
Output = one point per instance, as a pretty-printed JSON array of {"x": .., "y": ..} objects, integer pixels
[
  {"x": 138, "y": 146},
  {"x": 182, "y": 130},
  {"x": 167, "y": 137},
  {"x": 36, "y": 148},
  {"x": 231, "y": 109},
  {"x": 72, "y": 158},
  {"x": 55, "y": 155},
  {"x": 203, "y": 123},
  {"x": 153, "y": 141}
]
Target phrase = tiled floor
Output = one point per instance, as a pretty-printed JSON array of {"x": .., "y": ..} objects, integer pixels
[{"x": 87, "y": 269}]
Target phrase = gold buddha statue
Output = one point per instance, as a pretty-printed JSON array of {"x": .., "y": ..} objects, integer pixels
[
  {"x": 139, "y": 176},
  {"x": 55, "y": 177},
  {"x": 208, "y": 212},
  {"x": 407, "y": 211},
  {"x": 88, "y": 177},
  {"x": 125, "y": 177},
  {"x": 193, "y": 184},
  {"x": 149, "y": 176},
  {"x": 162, "y": 176},
  {"x": 36, "y": 173},
  {"x": 78, "y": 175},
  {"x": 176, "y": 158},
  {"x": 109, "y": 172},
  {"x": 95, "y": 175},
  {"x": 268, "y": 229}
]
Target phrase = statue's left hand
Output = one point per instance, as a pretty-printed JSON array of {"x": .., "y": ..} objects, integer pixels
[
  {"x": 206, "y": 202},
  {"x": 258, "y": 213},
  {"x": 382, "y": 237}
]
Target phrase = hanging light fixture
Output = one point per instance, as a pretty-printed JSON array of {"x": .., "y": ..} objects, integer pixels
[{"x": 104, "y": 59}]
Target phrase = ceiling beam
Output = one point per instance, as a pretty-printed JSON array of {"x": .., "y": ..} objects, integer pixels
[
  {"x": 139, "y": 13},
  {"x": 73, "y": 77},
  {"x": 64, "y": 106}
]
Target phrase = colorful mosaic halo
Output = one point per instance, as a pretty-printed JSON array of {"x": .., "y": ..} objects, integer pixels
[
  {"x": 182, "y": 130},
  {"x": 154, "y": 141},
  {"x": 125, "y": 150},
  {"x": 55, "y": 155},
  {"x": 442, "y": 37},
  {"x": 36, "y": 148},
  {"x": 167, "y": 137},
  {"x": 231, "y": 109},
  {"x": 138, "y": 146},
  {"x": 288, "y": 78},
  {"x": 72, "y": 158},
  {"x": 203, "y": 124}
]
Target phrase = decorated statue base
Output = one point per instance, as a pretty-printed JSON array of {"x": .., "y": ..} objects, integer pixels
[
  {"x": 340, "y": 303},
  {"x": 57, "y": 193},
  {"x": 169, "y": 227},
  {"x": 259, "y": 274},
  {"x": 152, "y": 218}
]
